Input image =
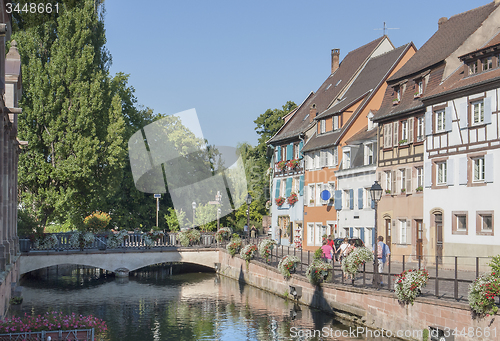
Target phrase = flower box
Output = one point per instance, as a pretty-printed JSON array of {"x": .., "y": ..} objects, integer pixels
[
  {"x": 280, "y": 201},
  {"x": 293, "y": 198}
]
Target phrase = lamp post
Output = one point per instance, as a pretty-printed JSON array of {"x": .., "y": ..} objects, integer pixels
[
  {"x": 376, "y": 194},
  {"x": 194, "y": 210},
  {"x": 218, "y": 198},
  {"x": 249, "y": 201}
]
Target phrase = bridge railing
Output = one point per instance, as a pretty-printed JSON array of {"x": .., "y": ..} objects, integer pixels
[{"x": 133, "y": 240}]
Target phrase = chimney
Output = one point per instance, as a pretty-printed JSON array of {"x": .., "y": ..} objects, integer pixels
[
  {"x": 335, "y": 59},
  {"x": 312, "y": 113},
  {"x": 441, "y": 21}
]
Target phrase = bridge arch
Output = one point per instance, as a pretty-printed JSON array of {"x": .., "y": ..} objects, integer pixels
[{"x": 113, "y": 261}]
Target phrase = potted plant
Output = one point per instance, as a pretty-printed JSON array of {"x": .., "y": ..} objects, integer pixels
[
  {"x": 357, "y": 257},
  {"x": 265, "y": 248},
  {"x": 280, "y": 201},
  {"x": 234, "y": 245},
  {"x": 224, "y": 233},
  {"x": 403, "y": 141},
  {"x": 281, "y": 165},
  {"x": 395, "y": 101},
  {"x": 403, "y": 190},
  {"x": 189, "y": 237},
  {"x": 151, "y": 238},
  {"x": 409, "y": 284},
  {"x": 293, "y": 198},
  {"x": 115, "y": 239},
  {"x": 81, "y": 239},
  {"x": 293, "y": 163},
  {"x": 387, "y": 191},
  {"x": 318, "y": 272},
  {"x": 419, "y": 189},
  {"x": 287, "y": 265},
  {"x": 484, "y": 289}
]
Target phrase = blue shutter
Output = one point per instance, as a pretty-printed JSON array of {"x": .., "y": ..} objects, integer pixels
[
  {"x": 360, "y": 198},
  {"x": 428, "y": 123},
  {"x": 279, "y": 153},
  {"x": 289, "y": 152},
  {"x": 448, "y": 120},
  {"x": 338, "y": 200},
  {"x": 301, "y": 144},
  {"x": 351, "y": 232},
  {"x": 301, "y": 185},
  {"x": 487, "y": 110},
  {"x": 288, "y": 187},
  {"x": 278, "y": 182},
  {"x": 351, "y": 199},
  {"x": 362, "y": 234}
]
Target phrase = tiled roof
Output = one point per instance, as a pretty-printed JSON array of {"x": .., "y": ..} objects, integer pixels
[
  {"x": 363, "y": 135},
  {"x": 321, "y": 141},
  {"x": 370, "y": 78},
  {"x": 446, "y": 40},
  {"x": 327, "y": 92}
]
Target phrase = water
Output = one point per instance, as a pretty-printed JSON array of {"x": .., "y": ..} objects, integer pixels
[{"x": 152, "y": 305}]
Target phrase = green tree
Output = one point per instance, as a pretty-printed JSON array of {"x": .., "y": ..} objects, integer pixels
[
  {"x": 72, "y": 120},
  {"x": 174, "y": 218}
]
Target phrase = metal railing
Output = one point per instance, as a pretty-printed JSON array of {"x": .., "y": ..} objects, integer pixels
[{"x": 76, "y": 334}]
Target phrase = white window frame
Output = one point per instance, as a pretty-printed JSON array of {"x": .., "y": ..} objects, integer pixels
[
  {"x": 487, "y": 63},
  {"x": 335, "y": 122},
  {"x": 403, "y": 238},
  {"x": 420, "y": 177},
  {"x": 317, "y": 234},
  {"x": 346, "y": 159},
  {"x": 404, "y": 131},
  {"x": 318, "y": 188},
  {"x": 310, "y": 194},
  {"x": 310, "y": 234},
  {"x": 296, "y": 151},
  {"x": 420, "y": 128},
  {"x": 477, "y": 115},
  {"x": 322, "y": 127},
  {"x": 478, "y": 169},
  {"x": 369, "y": 154},
  {"x": 440, "y": 121},
  {"x": 331, "y": 188},
  {"x": 402, "y": 173},
  {"x": 441, "y": 173},
  {"x": 388, "y": 180}
]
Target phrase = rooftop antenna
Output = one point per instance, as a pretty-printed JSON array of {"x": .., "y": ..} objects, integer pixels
[{"x": 385, "y": 29}]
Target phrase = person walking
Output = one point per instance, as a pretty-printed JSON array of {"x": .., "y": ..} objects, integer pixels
[
  {"x": 382, "y": 253},
  {"x": 327, "y": 251}
]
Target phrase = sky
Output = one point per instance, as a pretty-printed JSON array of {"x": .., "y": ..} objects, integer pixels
[{"x": 233, "y": 60}]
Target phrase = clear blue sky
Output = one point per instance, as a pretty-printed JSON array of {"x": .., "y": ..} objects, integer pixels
[{"x": 232, "y": 60}]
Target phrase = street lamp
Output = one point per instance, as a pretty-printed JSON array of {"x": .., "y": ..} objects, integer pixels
[
  {"x": 218, "y": 198},
  {"x": 249, "y": 201},
  {"x": 376, "y": 194},
  {"x": 194, "y": 209}
]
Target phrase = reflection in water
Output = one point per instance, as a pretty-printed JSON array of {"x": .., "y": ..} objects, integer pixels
[{"x": 152, "y": 305}]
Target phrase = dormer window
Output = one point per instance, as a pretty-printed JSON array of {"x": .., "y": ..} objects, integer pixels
[
  {"x": 322, "y": 126},
  {"x": 336, "y": 124},
  {"x": 397, "y": 96},
  {"x": 370, "y": 120},
  {"x": 419, "y": 88},
  {"x": 473, "y": 67}
]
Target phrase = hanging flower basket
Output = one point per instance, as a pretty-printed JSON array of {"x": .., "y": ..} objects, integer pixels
[
  {"x": 224, "y": 233},
  {"x": 280, "y": 201},
  {"x": 248, "y": 252},
  {"x": 318, "y": 272},
  {"x": 287, "y": 265},
  {"x": 357, "y": 257},
  {"x": 409, "y": 285},
  {"x": 234, "y": 245},
  {"x": 81, "y": 239},
  {"x": 265, "y": 248},
  {"x": 482, "y": 293}
]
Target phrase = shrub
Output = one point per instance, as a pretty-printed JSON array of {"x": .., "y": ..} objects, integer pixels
[
  {"x": 81, "y": 239},
  {"x": 318, "y": 254},
  {"x": 97, "y": 221},
  {"x": 223, "y": 234},
  {"x": 116, "y": 239},
  {"x": 189, "y": 237}
]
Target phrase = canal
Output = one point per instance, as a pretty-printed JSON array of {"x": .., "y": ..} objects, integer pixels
[{"x": 153, "y": 304}]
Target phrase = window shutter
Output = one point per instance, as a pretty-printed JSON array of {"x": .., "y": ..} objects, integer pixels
[
  {"x": 278, "y": 182},
  {"x": 360, "y": 198},
  {"x": 323, "y": 159},
  {"x": 288, "y": 187},
  {"x": 301, "y": 144},
  {"x": 448, "y": 111},
  {"x": 395, "y": 131},
  {"x": 411, "y": 123},
  {"x": 428, "y": 174},
  {"x": 351, "y": 199},
  {"x": 487, "y": 110},
  {"x": 362, "y": 234},
  {"x": 289, "y": 152},
  {"x": 462, "y": 171},
  {"x": 387, "y": 135},
  {"x": 335, "y": 156},
  {"x": 488, "y": 168},
  {"x": 338, "y": 200},
  {"x": 428, "y": 123},
  {"x": 394, "y": 175},
  {"x": 301, "y": 185},
  {"x": 279, "y": 153},
  {"x": 395, "y": 231},
  {"x": 450, "y": 173},
  {"x": 351, "y": 232},
  {"x": 409, "y": 180},
  {"x": 408, "y": 232},
  {"x": 463, "y": 115}
]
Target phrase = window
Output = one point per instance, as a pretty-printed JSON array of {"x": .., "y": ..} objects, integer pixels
[
  {"x": 388, "y": 135},
  {"x": 317, "y": 234},
  {"x": 440, "y": 117},
  {"x": 346, "y": 163},
  {"x": 331, "y": 188},
  {"x": 296, "y": 185},
  {"x": 420, "y": 178},
  {"x": 484, "y": 223},
  {"x": 283, "y": 188},
  {"x": 487, "y": 63},
  {"x": 403, "y": 180},
  {"x": 317, "y": 157},
  {"x": 477, "y": 112},
  {"x": 388, "y": 181},
  {"x": 368, "y": 197},
  {"x": 473, "y": 67},
  {"x": 478, "y": 169},
  {"x": 331, "y": 156},
  {"x": 403, "y": 232},
  {"x": 296, "y": 151},
  {"x": 420, "y": 128},
  {"x": 322, "y": 126},
  {"x": 420, "y": 87},
  {"x": 310, "y": 194},
  {"x": 404, "y": 132},
  {"x": 398, "y": 94},
  {"x": 368, "y": 153},
  {"x": 310, "y": 234},
  {"x": 318, "y": 193},
  {"x": 347, "y": 199},
  {"x": 336, "y": 122},
  {"x": 441, "y": 173}
]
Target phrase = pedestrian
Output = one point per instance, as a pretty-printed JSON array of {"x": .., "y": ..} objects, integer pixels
[
  {"x": 382, "y": 253},
  {"x": 331, "y": 242},
  {"x": 252, "y": 231},
  {"x": 327, "y": 251}
]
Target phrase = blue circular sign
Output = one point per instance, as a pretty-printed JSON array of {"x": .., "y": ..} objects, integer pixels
[{"x": 325, "y": 195}]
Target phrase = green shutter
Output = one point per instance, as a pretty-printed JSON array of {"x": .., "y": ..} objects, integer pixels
[
  {"x": 278, "y": 182},
  {"x": 301, "y": 185},
  {"x": 288, "y": 187}
]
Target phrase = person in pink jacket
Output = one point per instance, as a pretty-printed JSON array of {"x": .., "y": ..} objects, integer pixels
[{"x": 327, "y": 251}]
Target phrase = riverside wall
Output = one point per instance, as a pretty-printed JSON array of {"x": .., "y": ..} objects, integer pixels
[
  {"x": 378, "y": 310},
  {"x": 9, "y": 281}
]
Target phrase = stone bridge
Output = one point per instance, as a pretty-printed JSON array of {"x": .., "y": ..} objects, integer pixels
[{"x": 120, "y": 261}]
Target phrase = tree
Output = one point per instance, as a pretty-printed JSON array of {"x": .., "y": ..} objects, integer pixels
[
  {"x": 174, "y": 219},
  {"x": 72, "y": 120}
]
